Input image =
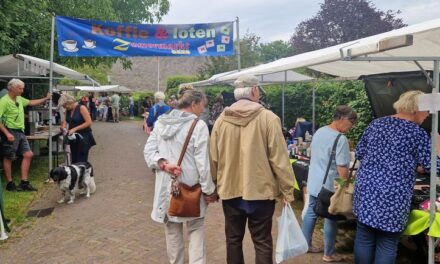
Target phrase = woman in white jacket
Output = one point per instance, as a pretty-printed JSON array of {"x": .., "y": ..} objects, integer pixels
[{"x": 161, "y": 153}]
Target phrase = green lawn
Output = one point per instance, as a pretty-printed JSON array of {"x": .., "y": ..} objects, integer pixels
[{"x": 17, "y": 203}]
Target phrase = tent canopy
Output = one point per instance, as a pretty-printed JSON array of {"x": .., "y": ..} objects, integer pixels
[
  {"x": 281, "y": 77},
  {"x": 270, "y": 78},
  {"x": 20, "y": 65},
  {"x": 97, "y": 89},
  {"x": 426, "y": 43}
]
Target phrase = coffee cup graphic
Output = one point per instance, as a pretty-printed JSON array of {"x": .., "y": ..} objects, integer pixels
[
  {"x": 89, "y": 43},
  {"x": 69, "y": 44}
]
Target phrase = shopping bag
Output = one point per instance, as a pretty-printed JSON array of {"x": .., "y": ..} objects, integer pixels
[
  {"x": 341, "y": 203},
  {"x": 291, "y": 241}
]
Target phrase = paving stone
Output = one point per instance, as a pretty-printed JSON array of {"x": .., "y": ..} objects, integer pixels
[{"x": 114, "y": 224}]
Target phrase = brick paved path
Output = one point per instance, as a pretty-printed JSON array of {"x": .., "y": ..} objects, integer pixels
[{"x": 114, "y": 225}]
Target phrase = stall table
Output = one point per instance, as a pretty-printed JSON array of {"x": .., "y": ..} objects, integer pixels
[
  {"x": 301, "y": 171},
  {"x": 44, "y": 135}
]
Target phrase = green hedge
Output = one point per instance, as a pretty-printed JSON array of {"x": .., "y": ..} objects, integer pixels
[
  {"x": 329, "y": 94},
  {"x": 298, "y": 100},
  {"x": 175, "y": 81}
]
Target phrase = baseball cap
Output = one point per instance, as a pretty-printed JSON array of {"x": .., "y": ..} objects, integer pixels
[{"x": 246, "y": 80}]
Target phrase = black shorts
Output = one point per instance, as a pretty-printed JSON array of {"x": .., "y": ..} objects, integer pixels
[{"x": 20, "y": 145}]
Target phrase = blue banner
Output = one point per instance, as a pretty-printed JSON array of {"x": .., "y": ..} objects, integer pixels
[{"x": 91, "y": 38}]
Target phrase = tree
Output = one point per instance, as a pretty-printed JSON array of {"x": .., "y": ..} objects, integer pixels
[
  {"x": 273, "y": 50},
  {"x": 340, "y": 21}
]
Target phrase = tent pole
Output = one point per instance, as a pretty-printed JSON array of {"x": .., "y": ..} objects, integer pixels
[
  {"x": 282, "y": 100},
  {"x": 238, "y": 44},
  {"x": 52, "y": 36},
  {"x": 313, "y": 108},
  {"x": 433, "y": 182}
]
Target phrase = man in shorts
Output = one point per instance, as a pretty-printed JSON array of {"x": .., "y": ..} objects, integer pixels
[
  {"x": 13, "y": 139},
  {"x": 115, "y": 99}
]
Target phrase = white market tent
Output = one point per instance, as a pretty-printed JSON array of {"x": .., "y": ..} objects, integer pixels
[
  {"x": 335, "y": 60},
  {"x": 104, "y": 88},
  {"x": 283, "y": 77},
  {"x": 25, "y": 67},
  {"x": 96, "y": 89},
  {"x": 212, "y": 80},
  {"x": 411, "y": 48},
  {"x": 28, "y": 67},
  {"x": 270, "y": 78}
]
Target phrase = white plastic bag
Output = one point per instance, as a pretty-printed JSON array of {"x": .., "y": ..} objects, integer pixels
[{"x": 291, "y": 241}]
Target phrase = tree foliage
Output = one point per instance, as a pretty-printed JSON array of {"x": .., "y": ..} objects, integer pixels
[
  {"x": 340, "y": 21},
  {"x": 251, "y": 52},
  {"x": 248, "y": 54},
  {"x": 273, "y": 50},
  {"x": 25, "y": 26},
  {"x": 175, "y": 81}
]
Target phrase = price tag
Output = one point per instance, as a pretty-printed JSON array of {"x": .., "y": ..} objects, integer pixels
[{"x": 429, "y": 102}]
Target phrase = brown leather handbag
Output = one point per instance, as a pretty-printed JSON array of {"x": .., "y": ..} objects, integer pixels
[{"x": 185, "y": 200}]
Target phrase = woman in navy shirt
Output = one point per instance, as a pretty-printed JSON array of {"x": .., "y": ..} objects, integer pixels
[
  {"x": 389, "y": 151},
  {"x": 79, "y": 123}
]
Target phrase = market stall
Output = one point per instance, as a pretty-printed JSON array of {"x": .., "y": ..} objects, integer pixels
[
  {"x": 412, "y": 48},
  {"x": 28, "y": 67}
]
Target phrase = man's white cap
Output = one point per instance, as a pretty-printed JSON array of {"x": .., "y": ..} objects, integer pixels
[{"x": 247, "y": 81}]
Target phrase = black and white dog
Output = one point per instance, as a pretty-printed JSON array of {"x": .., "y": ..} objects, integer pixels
[{"x": 72, "y": 178}]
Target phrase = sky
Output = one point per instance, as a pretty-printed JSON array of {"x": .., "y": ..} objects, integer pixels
[{"x": 277, "y": 19}]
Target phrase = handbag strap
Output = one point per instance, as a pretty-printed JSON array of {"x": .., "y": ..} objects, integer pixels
[
  {"x": 351, "y": 170},
  {"x": 188, "y": 137},
  {"x": 332, "y": 156}
]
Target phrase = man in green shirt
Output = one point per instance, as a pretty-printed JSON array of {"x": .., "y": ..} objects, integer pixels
[{"x": 13, "y": 139}]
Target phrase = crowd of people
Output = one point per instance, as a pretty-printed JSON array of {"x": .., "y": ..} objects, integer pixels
[
  {"x": 154, "y": 111},
  {"x": 238, "y": 155},
  {"x": 106, "y": 107},
  {"x": 228, "y": 173},
  {"x": 390, "y": 151}
]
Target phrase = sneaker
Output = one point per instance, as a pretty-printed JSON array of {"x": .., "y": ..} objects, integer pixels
[
  {"x": 11, "y": 187},
  {"x": 26, "y": 187}
]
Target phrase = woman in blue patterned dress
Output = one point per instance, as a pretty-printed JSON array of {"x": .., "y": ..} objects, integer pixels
[{"x": 389, "y": 151}]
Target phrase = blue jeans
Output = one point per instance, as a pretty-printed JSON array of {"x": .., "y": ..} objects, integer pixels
[
  {"x": 330, "y": 228},
  {"x": 372, "y": 245}
]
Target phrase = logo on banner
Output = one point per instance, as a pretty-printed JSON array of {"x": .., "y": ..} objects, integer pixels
[
  {"x": 124, "y": 45},
  {"x": 80, "y": 37}
]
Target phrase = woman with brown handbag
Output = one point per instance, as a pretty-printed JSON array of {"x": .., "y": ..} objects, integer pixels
[{"x": 167, "y": 153}]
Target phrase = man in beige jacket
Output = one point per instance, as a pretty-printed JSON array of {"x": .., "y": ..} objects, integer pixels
[{"x": 250, "y": 164}]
